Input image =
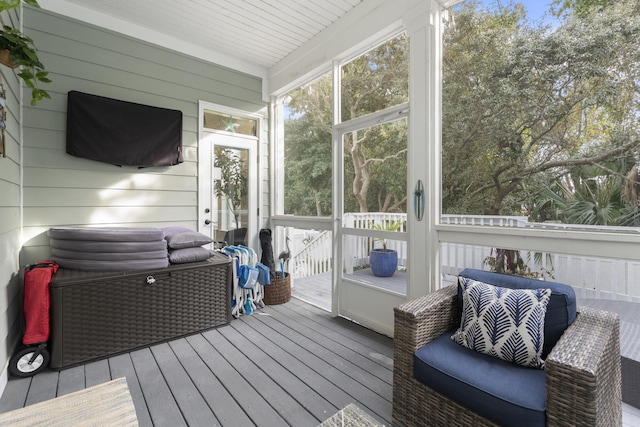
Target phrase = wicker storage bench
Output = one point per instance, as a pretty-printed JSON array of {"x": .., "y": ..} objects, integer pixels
[{"x": 95, "y": 315}]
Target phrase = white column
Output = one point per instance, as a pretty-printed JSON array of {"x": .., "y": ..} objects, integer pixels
[{"x": 425, "y": 146}]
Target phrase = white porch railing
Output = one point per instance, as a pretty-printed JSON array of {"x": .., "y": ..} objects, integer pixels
[
  {"x": 357, "y": 248},
  {"x": 314, "y": 258},
  {"x": 591, "y": 277}
]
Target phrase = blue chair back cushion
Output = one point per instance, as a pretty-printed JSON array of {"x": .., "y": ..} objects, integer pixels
[
  {"x": 505, "y": 393},
  {"x": 561, "y": 310}
]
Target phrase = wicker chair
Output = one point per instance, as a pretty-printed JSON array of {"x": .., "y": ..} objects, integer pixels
[{"x": 582, "y": 371}]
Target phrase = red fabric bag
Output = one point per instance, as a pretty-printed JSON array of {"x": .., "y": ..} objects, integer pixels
[{"x": 36, "y": 301}]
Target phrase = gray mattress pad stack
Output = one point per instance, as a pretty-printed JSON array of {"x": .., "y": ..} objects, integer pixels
[{"x": 108, "y": 248}]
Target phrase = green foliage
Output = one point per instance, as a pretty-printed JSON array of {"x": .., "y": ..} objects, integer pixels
[
  {"x": 23, "y": 53},
  {"x": 386, "y": 225},
  {"x": 578, "y": 8},
  {"x": 308, "y": 171},
  {"x": 525, "y": 108},
  {"x": 524, "y": 105},
  {"x": 510, "y": 261},
  {"x": 375, "y": 158},
  {"x": 12, "y": 4},
  {"x": 233, "y": 185},
  {"x": 592, "y": 195}
]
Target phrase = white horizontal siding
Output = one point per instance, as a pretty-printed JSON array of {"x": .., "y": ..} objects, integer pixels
[
  {"x": 10, "y": 223},
  {"x": 62, "y": 190}
]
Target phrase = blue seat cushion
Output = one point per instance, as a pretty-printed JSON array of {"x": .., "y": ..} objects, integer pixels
[
  {"x": 561, "y": 310},
  {"x": 503, "y": 392}
]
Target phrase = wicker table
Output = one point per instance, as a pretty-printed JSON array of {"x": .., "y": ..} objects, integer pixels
[{"x": 351, "y": 416}]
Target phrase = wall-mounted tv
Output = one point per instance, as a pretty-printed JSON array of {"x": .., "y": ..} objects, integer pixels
[{"x": 122, "y": 133}]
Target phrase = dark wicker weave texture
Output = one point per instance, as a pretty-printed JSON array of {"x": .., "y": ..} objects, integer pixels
[
  {"x": 583, "y": 369},
  {"x": 279, "y": 291},
  {"x": 99, "y": 315}
]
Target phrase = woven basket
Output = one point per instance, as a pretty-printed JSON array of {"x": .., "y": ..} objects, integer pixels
[{"x": 279, "y": 291}]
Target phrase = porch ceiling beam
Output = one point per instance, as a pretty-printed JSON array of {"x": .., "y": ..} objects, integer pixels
[{"x": 581, "y": 243}]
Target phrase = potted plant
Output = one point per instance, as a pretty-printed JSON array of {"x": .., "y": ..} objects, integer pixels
[
  {"x": 384, "y": 261},
  {"x": 510, "y": 261},
  {"x": 17, "y": 50}
]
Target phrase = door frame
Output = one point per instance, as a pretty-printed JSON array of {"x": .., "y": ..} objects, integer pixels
[
  {"x": 205, "y": 169},
  {"x": 348, "y": 294}
]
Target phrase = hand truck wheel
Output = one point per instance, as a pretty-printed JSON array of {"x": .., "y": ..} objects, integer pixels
[{"x": 29, "y": 361}]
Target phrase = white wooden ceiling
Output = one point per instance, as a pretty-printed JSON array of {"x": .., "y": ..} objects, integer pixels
[{"x": 258, "y": 32}]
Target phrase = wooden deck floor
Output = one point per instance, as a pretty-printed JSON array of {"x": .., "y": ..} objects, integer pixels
[
  {"x": 290, "y": 364},
  {"x": 316, "y": 290},
  {"x": 285, "y": 365}
]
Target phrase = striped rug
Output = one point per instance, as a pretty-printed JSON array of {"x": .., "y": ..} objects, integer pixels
[{"x": 107, "y": 404}]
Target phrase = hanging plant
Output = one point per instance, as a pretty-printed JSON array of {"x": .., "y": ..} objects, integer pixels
[{"x": 17, "y": 50}]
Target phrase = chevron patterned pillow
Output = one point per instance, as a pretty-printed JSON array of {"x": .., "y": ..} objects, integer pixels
[{"x": 502, "y": 322}]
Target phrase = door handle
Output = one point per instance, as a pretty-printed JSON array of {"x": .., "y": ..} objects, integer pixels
[
  {"x": 207, "y": 221},
  {"x": 418, "y": 200}
]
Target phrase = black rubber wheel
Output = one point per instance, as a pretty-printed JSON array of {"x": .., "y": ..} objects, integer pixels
[{"x": 20, "y": 366}]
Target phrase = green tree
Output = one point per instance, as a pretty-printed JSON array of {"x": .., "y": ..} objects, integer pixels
[
  {"x": 232, "y": 187},
  {"x": 589, "y": 195},
  {"x": 307, "y": 132},
  {"x": 375, "y": 176},
  {"x": 580, "y": 8},
  {"x": 375, "y": 169},
  {"x": 583, "y": 198},
  {"x": 523, "y": 106}
]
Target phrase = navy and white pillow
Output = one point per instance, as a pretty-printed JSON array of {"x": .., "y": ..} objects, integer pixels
[{"x": 502, "y": 322}]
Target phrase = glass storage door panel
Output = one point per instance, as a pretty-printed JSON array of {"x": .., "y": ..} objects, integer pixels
[{"x": 230, "y": 194}]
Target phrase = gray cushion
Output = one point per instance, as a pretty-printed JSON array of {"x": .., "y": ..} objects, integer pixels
[
  {"x": 128, "y": 265},
  {"x": 175, "y": 229},
  {"x": 187, "y": 239},
  {"x": 111, "y": 247},
  {"x": 181, "y": 256},
  {"x": 508, "y": 394},
  {"x": 108, "y": 256},
  {"x": 107, "y": 234},
  {"x": 561, "y": 310}
]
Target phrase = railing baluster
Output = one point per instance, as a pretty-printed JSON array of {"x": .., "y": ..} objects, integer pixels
[{"x": 580, "y": 272}]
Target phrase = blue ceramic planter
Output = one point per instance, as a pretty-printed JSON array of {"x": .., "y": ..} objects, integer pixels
[{"x": 383, "y": 264}]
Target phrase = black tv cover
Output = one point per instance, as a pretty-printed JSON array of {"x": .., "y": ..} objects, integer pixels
[{"x": 122, "y": 133}]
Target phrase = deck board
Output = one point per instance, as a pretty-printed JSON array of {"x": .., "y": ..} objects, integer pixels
[
  {"x": 122, "y": 366},
  {"x": 96, "y": 373},
  {"x": 300, "y": 364},
  {"x": 336, "y": 361},
  {"x": 162, "y": 405},
  {"x": 224, "y": 406},
  {"x": 281, "y": 367},
  {"x": 18, "y": 395},
  {"x": 70, "y": 380},
  {"x": 333, "y": 344},
  {"x": 256, "y": 408},
  {"x": 44, "y": 386},
  {"x": 192, "y": 404},
  {"x": 269, "y": 389},
  {"x": 345, "y": 327},
  {"x": 290, "y": 364}
]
